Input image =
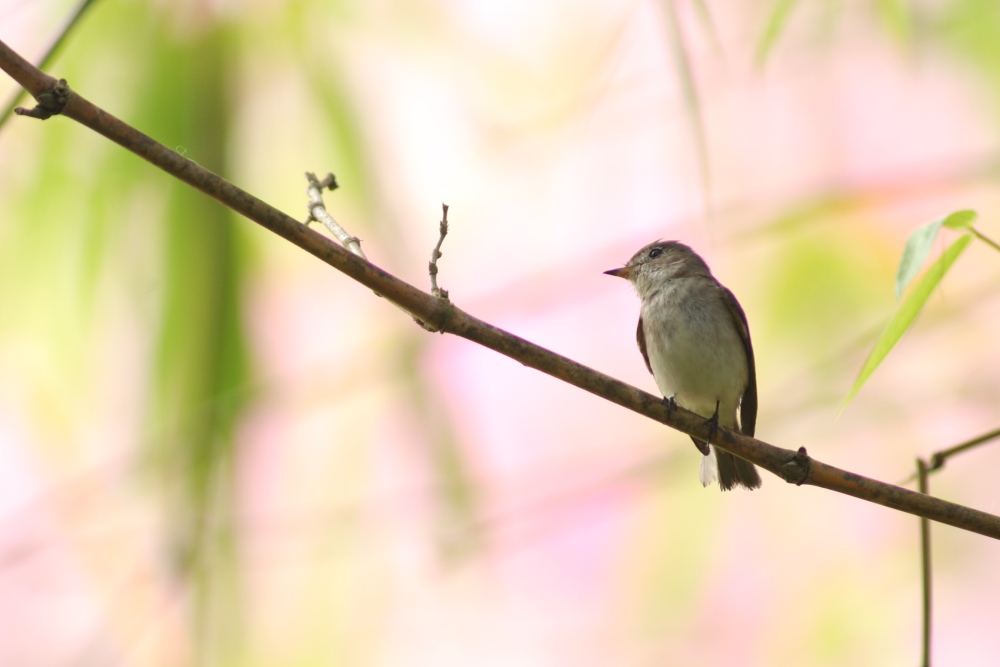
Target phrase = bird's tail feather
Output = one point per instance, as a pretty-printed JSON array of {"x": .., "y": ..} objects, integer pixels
[
  {"x": 734, "y": 471},
  {"x": 708, "y": 472}
]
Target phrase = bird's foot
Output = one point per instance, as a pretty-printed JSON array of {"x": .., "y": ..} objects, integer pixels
[{"x": 671, "y": 404}]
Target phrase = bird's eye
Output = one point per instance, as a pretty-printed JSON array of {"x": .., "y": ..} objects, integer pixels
[{"x": 655, "y": 252}]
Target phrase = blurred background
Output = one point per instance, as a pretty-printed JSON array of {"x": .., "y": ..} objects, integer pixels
[{"x": 216, "y": 450}]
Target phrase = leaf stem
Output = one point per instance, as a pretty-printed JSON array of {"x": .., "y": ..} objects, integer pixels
[{"x": 985, "y": 239}]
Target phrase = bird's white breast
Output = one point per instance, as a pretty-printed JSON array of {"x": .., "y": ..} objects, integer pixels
[{"x": 695, "y": 351}]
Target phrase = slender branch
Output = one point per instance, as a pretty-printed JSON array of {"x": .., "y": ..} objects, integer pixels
[
  {"x": 432, "y": 268},
  {"x": 440, "y": 315},
  {"x": 937, "y": 460}
]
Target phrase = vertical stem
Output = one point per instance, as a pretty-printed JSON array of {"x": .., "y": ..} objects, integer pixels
[{"x": 925, "y": 566}]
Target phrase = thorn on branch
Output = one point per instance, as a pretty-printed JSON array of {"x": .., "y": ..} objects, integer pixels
[
  {"x": 436, "y": 254},
  {"x": 318, "y": 212},
  {"x": 50, "y": 102}
]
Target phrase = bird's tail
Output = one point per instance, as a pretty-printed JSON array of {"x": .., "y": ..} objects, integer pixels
[
  {"x": 709, "y": 470},
  {"x": 729, "y": 469},
  {"x": 734, "y": 471}
]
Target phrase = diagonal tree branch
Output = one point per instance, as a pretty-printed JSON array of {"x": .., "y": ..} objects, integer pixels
[{"x": 437, "y": 314}]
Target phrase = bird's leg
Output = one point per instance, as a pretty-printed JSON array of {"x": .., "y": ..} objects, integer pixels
[
  {"x": 700, "y": 444},
  {"x": 713, "y": 424}
]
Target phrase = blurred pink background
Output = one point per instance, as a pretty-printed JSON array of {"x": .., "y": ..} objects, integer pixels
[{"x": 403, "y": 498}]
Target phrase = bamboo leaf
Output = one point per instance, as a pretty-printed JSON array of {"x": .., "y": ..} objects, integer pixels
[
  {"x": 907, "y": 312},
  {"x": 775, "y": 24},
  {"x": 705, "y": 16},
  {"x": 914, "y": 254},
  {"x": 961, "y": 220},
  {"x": 920, "y": 242}
]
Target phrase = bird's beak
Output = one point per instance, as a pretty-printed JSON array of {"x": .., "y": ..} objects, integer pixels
[{"x": 624, "y": 272}]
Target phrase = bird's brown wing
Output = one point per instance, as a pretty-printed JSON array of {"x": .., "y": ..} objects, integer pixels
[
  {"x": 748, "y": 405},
  {"x": 640, "y": 338}
]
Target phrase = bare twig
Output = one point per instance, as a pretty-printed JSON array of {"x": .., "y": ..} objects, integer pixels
[
  {"x": 432, "y": 268},
  {"x": 925, "y": 567},
  {"x": 317, "y": 211},
  {"x": 440, "y": 315}
]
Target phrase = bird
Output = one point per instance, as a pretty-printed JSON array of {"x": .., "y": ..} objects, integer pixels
[{"x": 695, "y": 340}]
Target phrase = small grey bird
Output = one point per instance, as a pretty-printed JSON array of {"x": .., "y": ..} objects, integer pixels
[{"x": 694, "y": 338}]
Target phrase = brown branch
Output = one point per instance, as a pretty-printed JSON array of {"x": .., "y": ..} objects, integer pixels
[{"x": 438, "y": 314}]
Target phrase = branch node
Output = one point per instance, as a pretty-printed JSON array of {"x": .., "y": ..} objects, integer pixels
[
  {"x": 796, "y": 469},
  {"x": 329, "y": 181},
  {"x": 50, "y": 102},
  {"x": 447, "y": 309}
]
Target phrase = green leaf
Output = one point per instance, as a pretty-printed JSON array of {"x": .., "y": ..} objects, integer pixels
[
  {"x": 914, "y": 254},
  {"x": 920, "y": 242},
  {"x": 775, "y": 24},
  {"x": 908, "y": 311},
  {"x": 961, "y": 220}
]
